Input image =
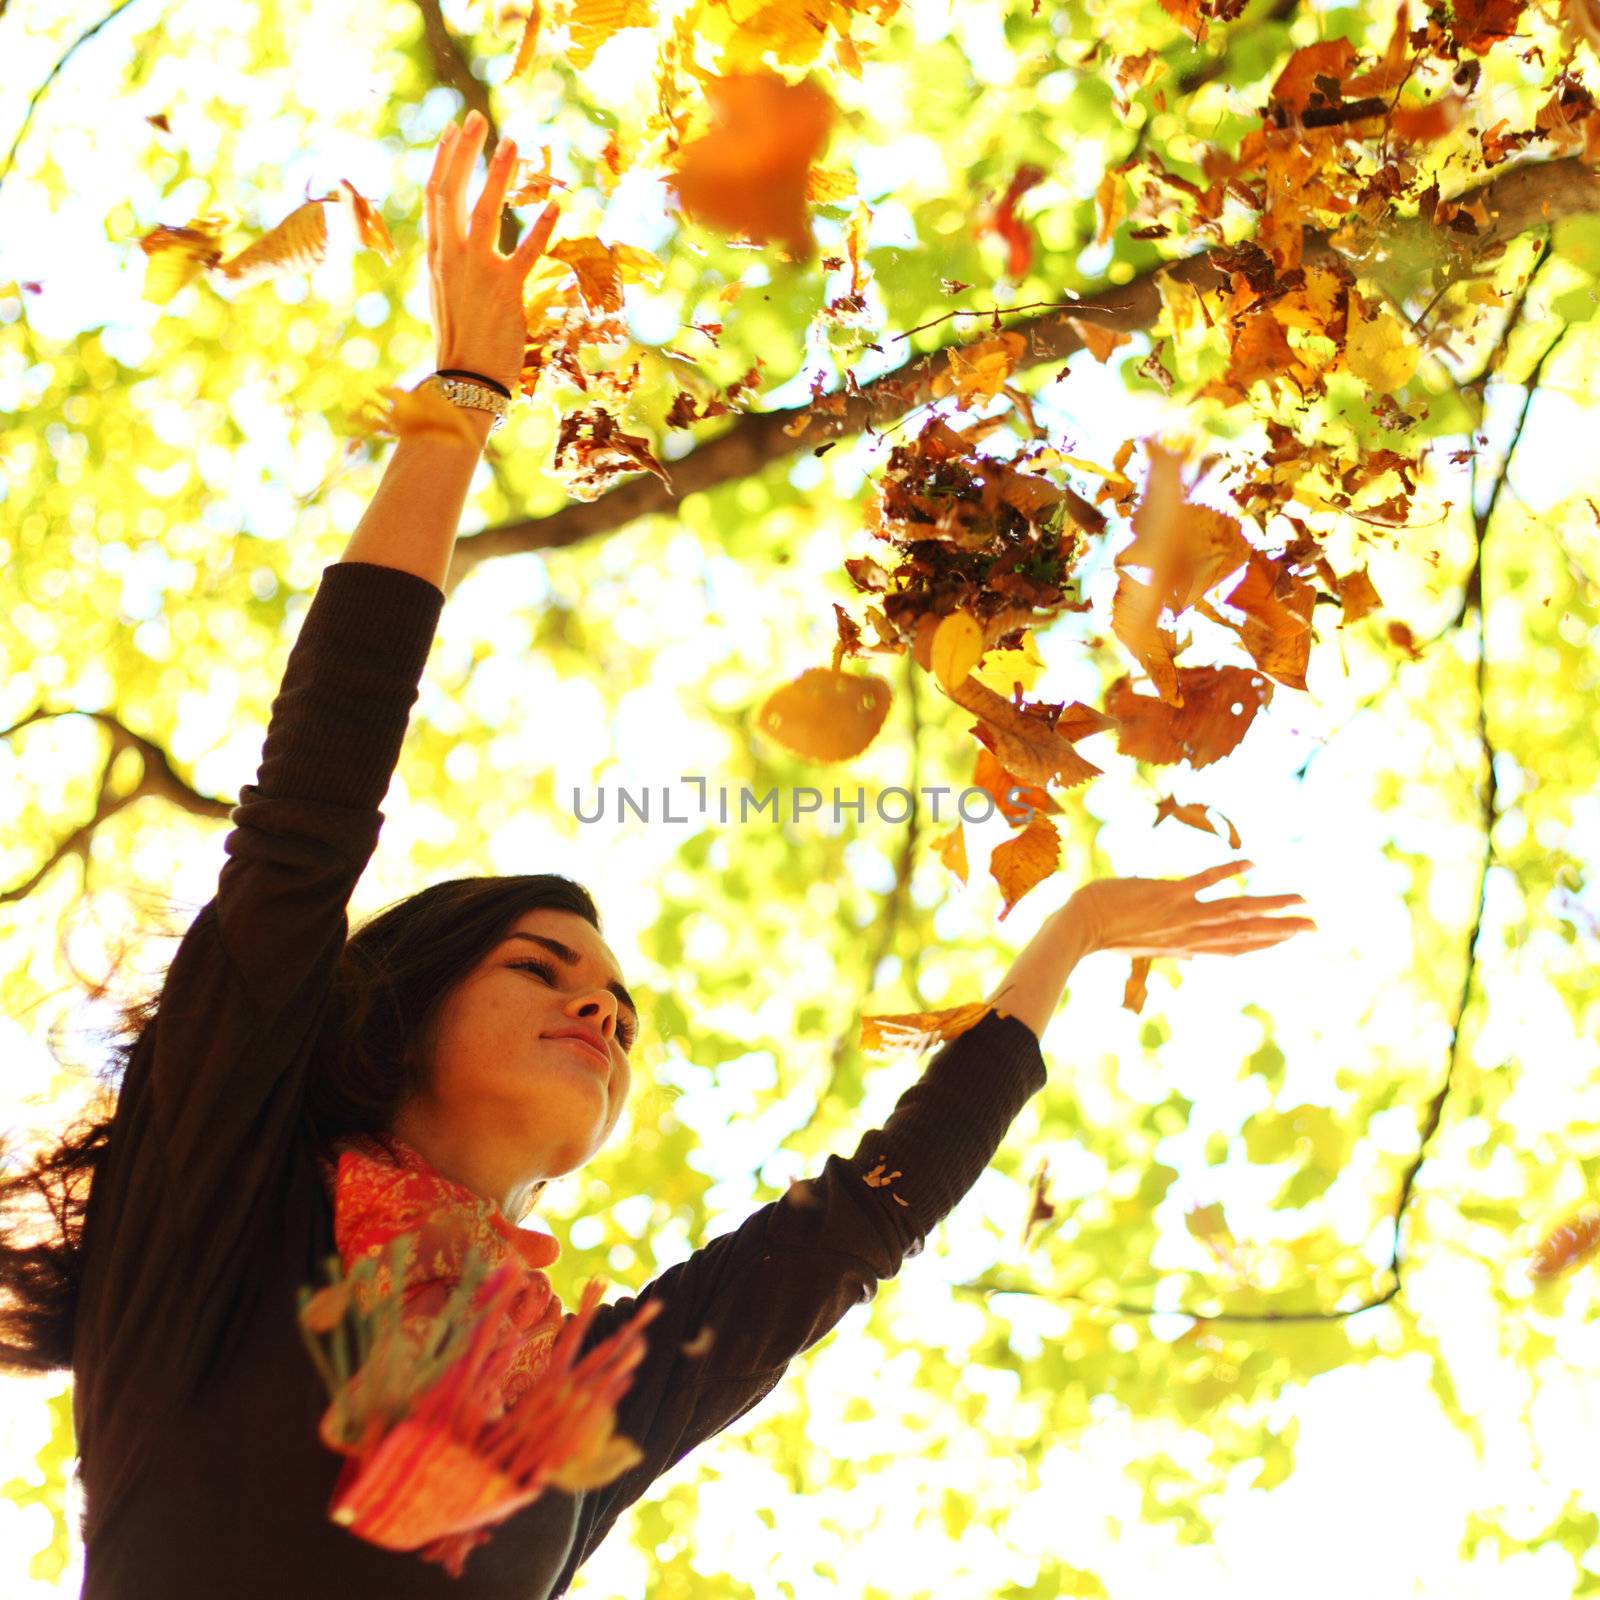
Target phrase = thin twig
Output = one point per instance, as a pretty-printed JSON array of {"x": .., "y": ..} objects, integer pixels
[{"x": 50, "y": 77}]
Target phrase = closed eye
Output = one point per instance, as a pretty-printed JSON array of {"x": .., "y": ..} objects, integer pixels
[{"x": 626, "y": 1031}]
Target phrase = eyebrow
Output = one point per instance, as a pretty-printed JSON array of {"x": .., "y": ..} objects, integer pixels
[{"x": 571, "y": 957}]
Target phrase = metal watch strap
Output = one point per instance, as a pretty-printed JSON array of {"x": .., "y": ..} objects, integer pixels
[{"x": 473, "y": 396}]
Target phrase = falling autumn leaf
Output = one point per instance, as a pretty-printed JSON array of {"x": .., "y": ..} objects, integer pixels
[
  {"x": 957, "y": 646},
  {"x": 951, "y": 849},
  {"x": 371, "y": 229},
  {"x": 591, "y": 23},
  {"x": 1024, "y": 861},
  {"x": 1194, "y": 814},
  {"x": 599, "y": 281},
  {"x": 1219, "y": 704},
  {"x": 825, "y": 714},
  {"x": 1381, "y": 351},
  {"x": 1133, "y": 991},
  {"x": 1099, "y": 341},
  {"x": 748, "y": 173},
  {"x": 528, "y": 44},
  {"x": 299, "y": 241},
  {"x": 1567, "y": 1246},
  {"x": 917, "y": 1030},
  {"x": 176, "y": 256}
]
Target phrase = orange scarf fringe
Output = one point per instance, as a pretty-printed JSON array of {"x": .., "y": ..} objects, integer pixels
[{"x": 460, "y": 1402}]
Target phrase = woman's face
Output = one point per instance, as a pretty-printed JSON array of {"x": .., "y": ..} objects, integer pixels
[{"x": 527, "y": 1060}]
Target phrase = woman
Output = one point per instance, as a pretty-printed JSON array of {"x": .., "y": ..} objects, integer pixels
[{"x": 297, "y": 1093}]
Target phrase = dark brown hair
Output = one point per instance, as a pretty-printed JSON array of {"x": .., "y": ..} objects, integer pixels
[{"x": 392, "y": 976}]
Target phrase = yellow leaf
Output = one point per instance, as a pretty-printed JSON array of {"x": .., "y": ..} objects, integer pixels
[
  {"x": 1381, "y": 353},
  {"x": 977, "y": 371},
  {"x": 592, "y": 22},
  {"x": 957, "y": 647},
  {"x": 826, "y": 715},
  {"x": 916, "y": 1030},
  {"x": 637, "y": 266},
  {"x": 827, "y": 186},
  {"x": 298, "y": 242},
  {"x": 951, "y": 849},
  {"x": 1000, "y": 669},
  {"x": 175, "y": 256},
  {"x": 599, "y": 281}
]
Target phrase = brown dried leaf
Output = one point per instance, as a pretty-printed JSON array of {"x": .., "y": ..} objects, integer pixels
[{"x": 1204, "y": 729}]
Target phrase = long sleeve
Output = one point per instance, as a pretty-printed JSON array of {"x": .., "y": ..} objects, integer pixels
[
  {"x": 774, "y": 1286},
  {"x": 266, "y": 947},
  {"x": 195, "y": 1173}
]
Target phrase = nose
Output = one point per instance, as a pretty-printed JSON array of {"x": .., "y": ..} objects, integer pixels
[{"x": 599, "y": 1008}]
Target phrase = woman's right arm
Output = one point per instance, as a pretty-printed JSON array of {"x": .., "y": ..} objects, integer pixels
[{"x": 266, "y": 947}]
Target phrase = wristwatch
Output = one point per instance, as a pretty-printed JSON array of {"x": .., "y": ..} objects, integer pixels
[{"x": 473, "y": 396}]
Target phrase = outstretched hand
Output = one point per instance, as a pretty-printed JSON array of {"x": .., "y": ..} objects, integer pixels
[
  {"x": 1163, "y": 917},
  {"x": 476, "y": 292}
]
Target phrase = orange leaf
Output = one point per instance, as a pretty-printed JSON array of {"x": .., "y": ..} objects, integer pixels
[
  {"x": 826, "y": 715},
  {"x": 1098, "y": 341},
  {"x": 1110, "y": 204},
  {"x": 527, "y": 44},
  {"x": 1025, "y": 860},
  {"x": 1133, "y": 991},
  {"x": 1195, "y": 815},
  {"x": 1357, "y": 596},
  {"x": 599, "y": 282},
  {"x": 299, "y": 241},
  {"x": 995, "y": 781},
  {"x": 1023, "y": 744},
  {"x": 916, "y": 1030},
  {"x": 371, "y": 229},
  {"x": 1572, "y": 1243},
  {"x": 749, "y": 172},
  {"x": 1204, "y": 729},
  {"x": 1135, "y": 610}
]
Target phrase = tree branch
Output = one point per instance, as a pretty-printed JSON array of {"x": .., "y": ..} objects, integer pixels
[
  {"x": 1517, "y": 198},
  {"x": 156, "y": 778},
  {"x": 454, "y": 71},
  {"x": 50, "y": 77}
]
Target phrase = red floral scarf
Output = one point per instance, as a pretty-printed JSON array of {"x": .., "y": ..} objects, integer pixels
[{"x": 463, "y": 1402}]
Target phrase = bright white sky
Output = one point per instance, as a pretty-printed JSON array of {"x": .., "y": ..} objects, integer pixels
[{"x": 1375, "y": 1504}]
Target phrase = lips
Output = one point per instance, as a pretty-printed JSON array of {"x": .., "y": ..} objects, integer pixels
[{"x": 589, "y": 1043}]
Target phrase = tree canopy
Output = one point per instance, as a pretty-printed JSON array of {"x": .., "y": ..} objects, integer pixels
[{"x": 1170, "y": 418}]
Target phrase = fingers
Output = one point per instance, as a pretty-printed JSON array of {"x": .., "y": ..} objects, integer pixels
[
  {"x": 1203, "y": 880},
  {"x": 464, "y": 150},
  {"x": 533, "y": 243},
  {"x": 486, "y": 214}
]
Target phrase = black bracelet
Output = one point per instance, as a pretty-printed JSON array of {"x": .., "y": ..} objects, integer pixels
[{"x": 477, "y": 377}]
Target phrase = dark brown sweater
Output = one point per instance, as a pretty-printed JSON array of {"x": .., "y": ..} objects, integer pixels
[{"x": 196, "y": 1403}]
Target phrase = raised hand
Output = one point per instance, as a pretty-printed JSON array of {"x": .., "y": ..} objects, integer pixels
[
  {"x": 1163, "y": 917},
  {"x": 476, "y": 292}
]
